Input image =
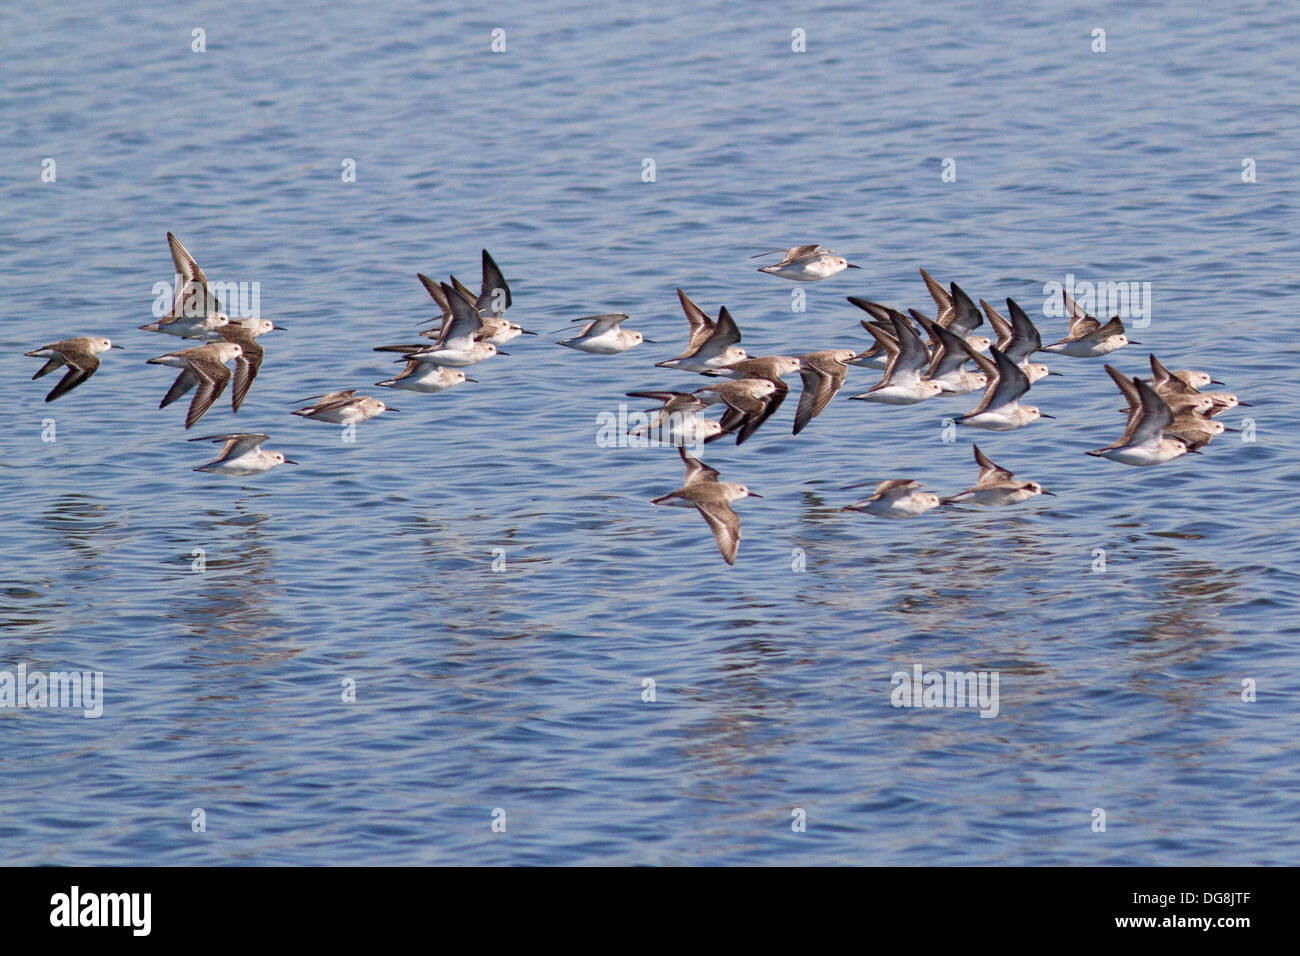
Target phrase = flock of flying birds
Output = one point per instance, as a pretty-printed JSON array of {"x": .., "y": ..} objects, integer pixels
[{"x": 1168, "y": 416}]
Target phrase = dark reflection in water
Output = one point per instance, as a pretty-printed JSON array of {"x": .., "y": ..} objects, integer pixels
[{"x": 229, "y": 609}]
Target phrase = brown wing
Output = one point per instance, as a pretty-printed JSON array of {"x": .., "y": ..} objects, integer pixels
[
  {"x": 773, "y": 402},
  {"x": 1125, "y": 386},
  {"x": 696, "y": 470},
  {"x": 1000, "y": 325},
  {"x": 942, "y": 300},
  {"x": 798, "y": 252},
  {"x": 435, "y": 290},
  {"x": 494, "y": 289},
  {"x": 701, "y": 324},
  {"x": 184, "y": 382},
  {"x": 1081, "y": 323},
  {"x": 990, "y": 473},
  {"x": 724, "y": 523},
  {"x": 192, "y": 297},
  {"x": 893, "y": 484},
  {"x": 246, "y": 368},
  {"x": 81, "y": 365},
  {"x": 212, "y": 379},
  {"x": 822, "y": 378}
]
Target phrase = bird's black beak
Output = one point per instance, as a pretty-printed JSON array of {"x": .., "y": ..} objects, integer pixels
[
  {"x": 1131, "y": 342},
  {"x": 468, "y": 379},
  {"x": 1044, "y": 491},
  {"x": 753, "y": 495},
  {"x": 1050, "y": 372},
  {"x": 290, "y": 461},
  {"x": 116, "y": 347},
  {"x": 390, "y": 408},
  {"x": 1215, "y": 381},
  {"x": 1045, "y": 415},
  {"x": 849, "y": 265},
  {"x": 1245, "y": 405},
  {"x": 649, "y": 342},
  {"x": 499, "y": 352},
  {"x": 1227, "y": 429},
  {"x": 526, "y": 332},
  {"x": 278, "y": 328}
]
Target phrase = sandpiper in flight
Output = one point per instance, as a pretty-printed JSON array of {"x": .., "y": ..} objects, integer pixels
[
  {"x": 1000, "y": 409},
  {"x": 342, "y": 408},
  {"x": 602, "y": 335},
  {"x": 80, "y": 355},
  {"x": 902, "y": 383},
  {"x": 1144, "y": 441},
  {"x": 1088, "y": 337},
  {"x": 195, "y": 310},
  {"x": 896, "y": 498},
  {"x": 823, "y": 373},
  {"x": 205, "y": 367},
  {"x": 711, "y": 344},
  {"x": 996, "y": 487},
  {"x": 245, "y": 333},
  {"x": 808, "y": 263},
  {"x": 712, "y": 498},
  {"x": 242, "y": 454}
]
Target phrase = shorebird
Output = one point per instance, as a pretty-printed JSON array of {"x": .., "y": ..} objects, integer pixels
[
  {"x": 422, "y": 377},
  {"x": 876, "y": 356},
  {"x": 491, "y": 303},
  {"x": 678, "y": 422},
  {"x": 1179, "y": 393},
  {"x": 713, "y": 498},
  {"x": 205, "y": 367},
  {"x": 712, "y": 344},
  {"x": 1191, "y": 422},
  {"x": 902, "y": 383},
  {"x": 342, "y": 408},
  {"x": 805, "y": 263},
  {"x": 460, "y": 340},
  {"x": 603, "y": 336},
  {"x": 896, "y": 498},
  {"x": 80, "y": 355},
  {"x": 1194, "y": 378},
  {"x": 435, "y": 291},
  {"x": 947, "y": 360},
  {"x": 1018, "y": 338},
  {"x": 1144, "y": 441},
  {"x": 195, "y": 310},
  {"x": 748, "y": 402},
  {"x": 770, "y": 368},
  {"x": 244, "y": 332},
  {"x": 242, "y": 454},
  {"x": 995, "y": 486},
  {"x": 1088, "y": 337},
  {"x": 823, "y": 375},
  {"x": 1000, "y": 409},
  {"x": 1195, "y": 428},
  {"x": 957, "y": 313}
]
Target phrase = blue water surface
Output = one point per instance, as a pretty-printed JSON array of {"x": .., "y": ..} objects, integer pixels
[{"x": 520, "y": 688}]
